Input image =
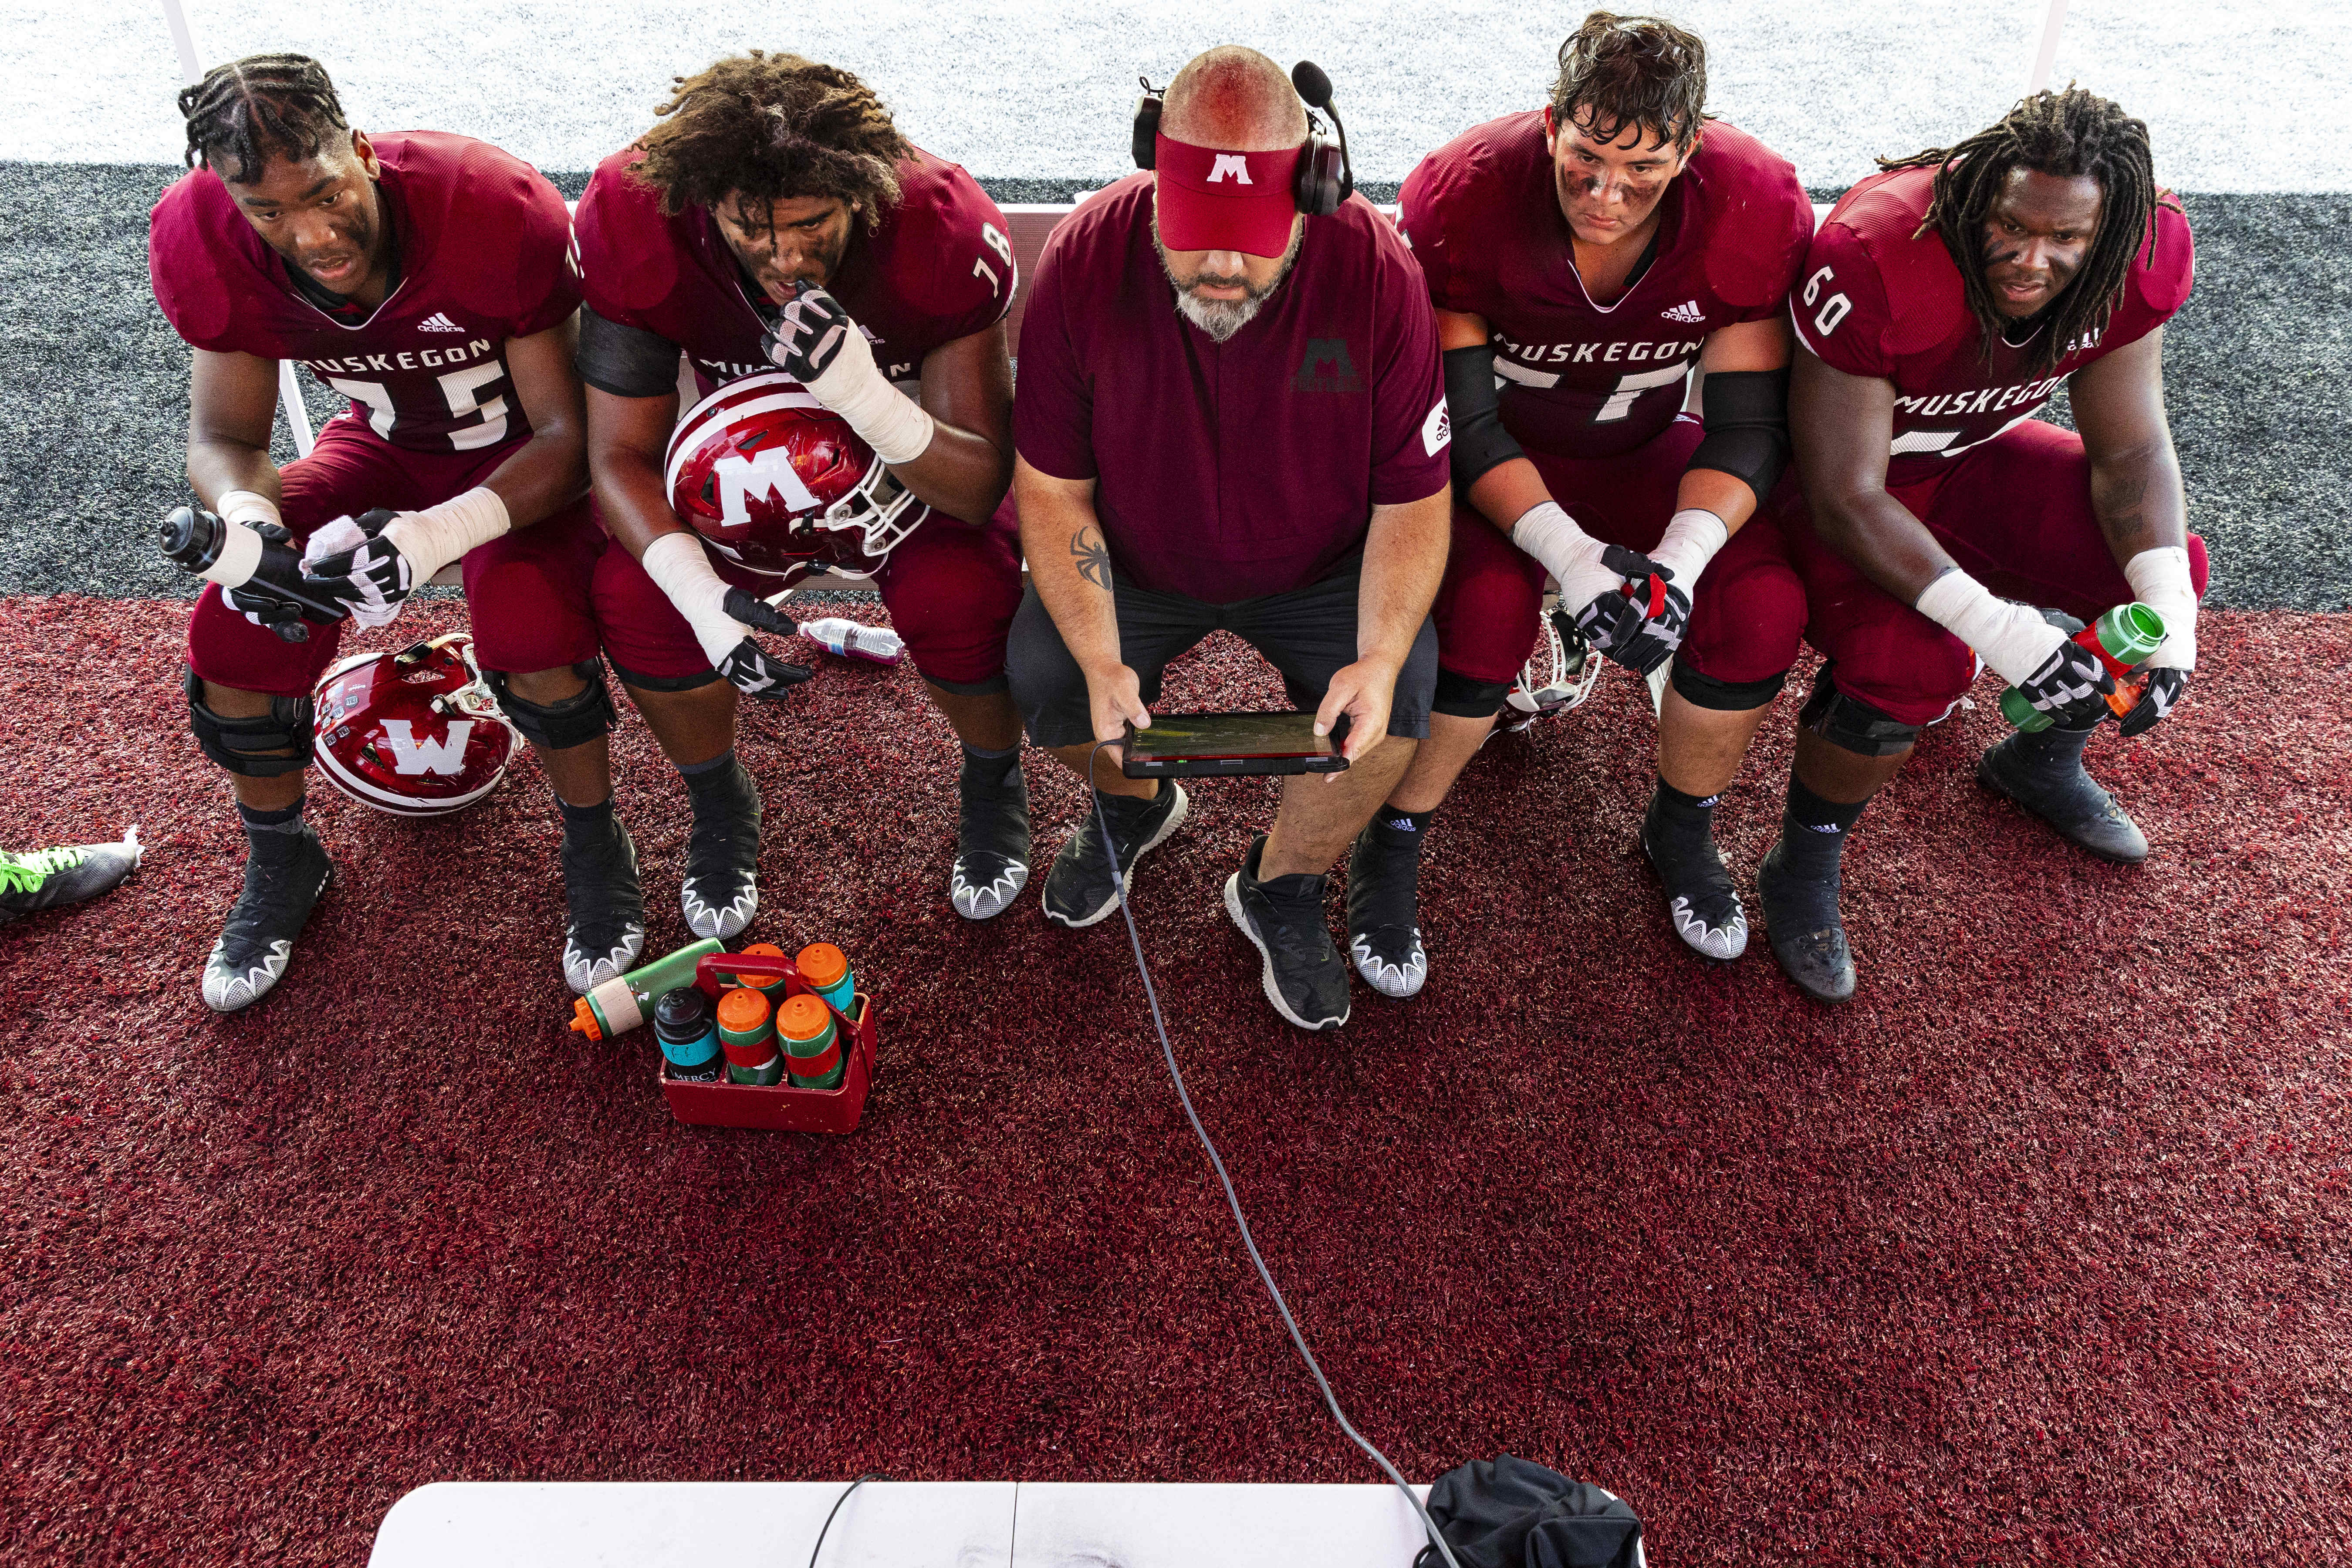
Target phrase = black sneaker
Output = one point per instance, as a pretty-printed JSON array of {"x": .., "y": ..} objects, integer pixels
[
  {"x": 1306, "y": 979},
  {"x": 720, "y": 892},
  {"x": 1078, "y": 888},
  {"x": 992, "y": 863},
  {"x": 45, "y": 878},
  {"x": 258, "y": 939},
  {"x": 607, "y": 932},
  {"x": 1384, "y": 914},
  {"x": 1807, "y": 934},
  {"x": 2060, "y": 794},
  {"x": 1700, "y": 899}
]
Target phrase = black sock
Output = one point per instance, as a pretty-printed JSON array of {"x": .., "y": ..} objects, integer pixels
[
  {"x": 272, "y": 832},
  {"x": 989, "y": 769},
  {"x": 1687, "y": 819},
  {"x": 586, "y": 819},
  {"x": 1396, "y": 828},
  {"x": 1814, "y": 831},
  {"x": 720, "y": 773},
  {"x": 2059, "y": 750}
]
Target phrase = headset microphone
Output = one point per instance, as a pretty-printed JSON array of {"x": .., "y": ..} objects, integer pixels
[{"x": 1322, "y": 185}]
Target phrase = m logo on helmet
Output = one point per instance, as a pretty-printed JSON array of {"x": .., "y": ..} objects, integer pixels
[
  {"x": 411, "y": 755},
  {"x": 1232, "y": 163},
  {"x": 767, "y": 475}
]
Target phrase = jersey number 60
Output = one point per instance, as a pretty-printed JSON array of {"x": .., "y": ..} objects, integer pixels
[{"x": 1833, "y": 310}]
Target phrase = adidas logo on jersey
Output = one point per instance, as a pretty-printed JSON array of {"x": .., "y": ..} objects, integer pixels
[
  {"x": 1687, "y": 311},
  {"x": 437, "y": 323}
]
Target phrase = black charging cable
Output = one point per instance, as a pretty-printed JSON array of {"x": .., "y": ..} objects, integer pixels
[
  {"x": 868, "y": 1476},
  {"x": 1167, "y": 1053}
]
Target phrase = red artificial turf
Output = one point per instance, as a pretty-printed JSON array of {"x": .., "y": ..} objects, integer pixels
[{"x": 2037, "y": 1251}]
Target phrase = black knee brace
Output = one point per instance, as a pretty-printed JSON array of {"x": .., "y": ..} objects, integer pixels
[
  {"x": 1463, "y": 698},
  {"x": 579, "y": 719},
  {"x": 1725, "y": 696},
  {"x": 241, "y": 745},
  {"x": 1851, "y": 724}
]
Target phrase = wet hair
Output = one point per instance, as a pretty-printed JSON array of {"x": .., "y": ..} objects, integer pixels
[
  {"x": 1620, "y": 71},
  {"x": 2071, "y": 133},
  {"x": 769, "y": 127},
  {"x": 247, "y": 111}
]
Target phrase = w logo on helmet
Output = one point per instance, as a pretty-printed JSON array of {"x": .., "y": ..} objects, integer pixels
[{"x": 411, "y": 755}]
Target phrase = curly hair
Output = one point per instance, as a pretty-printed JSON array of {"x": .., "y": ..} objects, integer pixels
[
  {"x": 2071, "y": 133},
  {"x": 242, "y": 112},
  {"x": 765, "y": 128},
  {"x": 1633, "y": 70}
]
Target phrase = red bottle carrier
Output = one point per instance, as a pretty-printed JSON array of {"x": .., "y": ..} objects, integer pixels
[{"x": 779, "y": 1108}]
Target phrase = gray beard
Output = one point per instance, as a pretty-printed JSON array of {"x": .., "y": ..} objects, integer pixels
[{"x": 1221, "y": 319}]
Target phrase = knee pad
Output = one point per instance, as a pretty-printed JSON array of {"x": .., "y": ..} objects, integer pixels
[
  {"x": 1851, "y": 724},
  {"x": 1702, "y": 690},
  {"x": 241, "y": 745},
  {"x": 579, "y": 719},
  {"x": 1463, "y": 698}
]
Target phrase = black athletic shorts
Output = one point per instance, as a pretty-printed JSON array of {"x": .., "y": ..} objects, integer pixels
[{"x": 1308, "y": 635}]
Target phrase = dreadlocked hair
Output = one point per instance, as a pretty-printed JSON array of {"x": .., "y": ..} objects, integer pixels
[
  {"x": 1622, "y": 71},
  {"x": 2071, "y": 133},
  {"x": 768, "y": 127},
  {"x": 243, "y": 112}
]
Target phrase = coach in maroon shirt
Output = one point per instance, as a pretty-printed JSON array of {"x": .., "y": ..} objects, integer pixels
[{"x": 1229, "y": 414}]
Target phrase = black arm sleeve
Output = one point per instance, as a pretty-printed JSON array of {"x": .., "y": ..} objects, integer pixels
[
  {"x": 627, "y": 362},
  {"x": 1747, "y": 426},
  {"x": 1480, "y": 442}
]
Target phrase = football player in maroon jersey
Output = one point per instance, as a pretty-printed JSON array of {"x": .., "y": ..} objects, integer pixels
[
  {"x": 423, "y": 276},
  {"x": 777, "y": 219},
  {"x": 1942, "y": 302},
  {"x": 1582, "y": 258}
]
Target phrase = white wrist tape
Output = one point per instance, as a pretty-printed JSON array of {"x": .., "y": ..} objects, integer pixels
[
  {"x": 240, "y": 552},
  {"x": 245, "y": 506},
  {"x": 895, "y": 426},
  {"x": 435, "y": 537},
  {"x": 2012, "y": 639},
  {"x": 1571, "y": 556},
  {"x": 2160, "y": 580},
  {"x": 1690, "y": 541},
  {"x": 680, "y": 568}
]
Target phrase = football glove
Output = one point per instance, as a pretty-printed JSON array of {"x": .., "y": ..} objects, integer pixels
[
  {"x": 755, "y": 674},
  {"x": 2071, "y": 685},
  {"x": 2164, "y": 688},
  {"x": 813, "y": 340},
  {"x": 370, "y": 578},
  {"x": 276, "y": 596},
  {"x": 1641, "y": 624}
]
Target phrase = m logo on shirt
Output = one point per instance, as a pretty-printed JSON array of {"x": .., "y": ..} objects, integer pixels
[
  {"x": 1326, "y": 367},
  {"x": 1232, "y": 163}
]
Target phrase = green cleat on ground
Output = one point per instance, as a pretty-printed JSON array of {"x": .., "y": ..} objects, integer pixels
[{"x": 45, "y": 878}]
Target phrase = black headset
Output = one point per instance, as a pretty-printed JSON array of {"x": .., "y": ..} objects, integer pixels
[{"x": 1325, "y": 177}]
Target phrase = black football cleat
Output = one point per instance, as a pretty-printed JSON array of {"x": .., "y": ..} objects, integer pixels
[
  {"x": 1807, "y": 934},
  {"x": 2047, "y": 779},
  {"x": 258, "y": 940},
  {"x": 605, "y": 933},
  {"x": 1306, "y": 978},
  {"x": 1384, "y": 914},
  {"x": 49, "y": 879},
  {"x": 720, "y": 892},
  {"x": 992, "y": 863},
  {"x": 1700, "y": 899},
  {"x": 1079, "y": 889}
]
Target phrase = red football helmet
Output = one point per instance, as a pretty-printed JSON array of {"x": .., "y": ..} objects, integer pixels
[
  {"x": 778, "y": 483},
  {"x": 416, "y": 733}
]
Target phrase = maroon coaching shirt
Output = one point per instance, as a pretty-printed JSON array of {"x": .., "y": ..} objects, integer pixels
[{"x": 1228, "y": 471}]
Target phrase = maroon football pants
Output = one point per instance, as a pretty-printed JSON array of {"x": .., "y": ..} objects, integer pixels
[
  {"x": 1748, "y": 610},
  {"x": 950, "y": 589},
  {"x": 527, "y": 591},
  {"x": 2015, "y": 513}
]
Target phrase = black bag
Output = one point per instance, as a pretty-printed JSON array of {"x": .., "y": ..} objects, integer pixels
[{"x": 1514, "y": 1513}]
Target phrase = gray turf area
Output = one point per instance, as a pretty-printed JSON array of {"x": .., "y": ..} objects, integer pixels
[{"x": 2256, "y": 368}]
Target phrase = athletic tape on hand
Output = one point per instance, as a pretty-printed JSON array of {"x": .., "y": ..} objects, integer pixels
[
  {"x": 2160, "y": 579},
  {"x": 679, "y": 567},
  {"x": 897, "y": 427},
  {"x": 1690, "y": 541},
  {"x": 433, "y": 537},
  {"x": 1566, "y": 551},
  {"x": 2012, "y": 639}
]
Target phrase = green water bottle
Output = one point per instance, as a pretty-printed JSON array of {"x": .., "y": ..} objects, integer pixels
[
  {"x": 2121, "y": 639},
  {"x": 747, "y": 1038},
  {"x": 620, "y": 1005},
  {"x": 812, "y": 1043}
]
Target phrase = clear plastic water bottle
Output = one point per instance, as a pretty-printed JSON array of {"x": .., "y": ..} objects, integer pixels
[{"x": 852, "y": 640}]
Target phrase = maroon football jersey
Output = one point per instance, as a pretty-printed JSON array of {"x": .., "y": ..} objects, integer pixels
[
  {"x": 1880, "y": 299},
  {"x": 1231, "y": 470},
  {"x": 1581, "y": 380},
  {"x": 482, "y": 237},
  {"x": 936, "y": 268}
]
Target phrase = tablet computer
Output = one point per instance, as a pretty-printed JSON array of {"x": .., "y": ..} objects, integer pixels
[{"x": 1181, "y": 745}]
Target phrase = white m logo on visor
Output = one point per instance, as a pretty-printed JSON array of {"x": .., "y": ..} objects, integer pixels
[
  {"x": 1232, "y": 163},
  {"x": 763, "y": 474},
  {"x": 411, "y": 755}
]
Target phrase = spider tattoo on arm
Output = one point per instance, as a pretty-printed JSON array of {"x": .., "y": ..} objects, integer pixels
[{"x": 1093, "y": 557}]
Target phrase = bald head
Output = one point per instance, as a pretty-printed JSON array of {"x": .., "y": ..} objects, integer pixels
[{"x": 1235, "y": 99}]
